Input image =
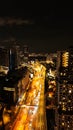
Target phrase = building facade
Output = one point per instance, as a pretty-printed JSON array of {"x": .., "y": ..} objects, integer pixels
[{"x": 65, "y": 90}]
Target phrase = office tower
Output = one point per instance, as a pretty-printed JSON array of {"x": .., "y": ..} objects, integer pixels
[
  {"x": 65, "y": 90},
  {"x": 12, "y": 59}
]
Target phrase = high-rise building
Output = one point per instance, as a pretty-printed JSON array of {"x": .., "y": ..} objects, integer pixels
[
  {"x": 12, "y": 59},
  {"x": 65, "y": 90}
]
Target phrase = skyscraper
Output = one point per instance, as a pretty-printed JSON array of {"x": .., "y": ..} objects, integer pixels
[{"x": 65, "y": 90}]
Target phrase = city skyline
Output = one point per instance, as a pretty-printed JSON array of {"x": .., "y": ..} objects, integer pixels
[
  {"x": 45, "y": 28},
  {"x": 39, "y": 38}
]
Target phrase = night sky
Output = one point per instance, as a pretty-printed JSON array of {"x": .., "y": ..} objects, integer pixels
[{"x": 46, "y": 27}]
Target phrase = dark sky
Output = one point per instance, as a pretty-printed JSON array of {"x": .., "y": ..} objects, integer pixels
[{"x": 50, "y": 25}]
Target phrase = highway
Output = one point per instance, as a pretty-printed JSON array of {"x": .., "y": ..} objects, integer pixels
[{"x": 32, "y": 111}]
